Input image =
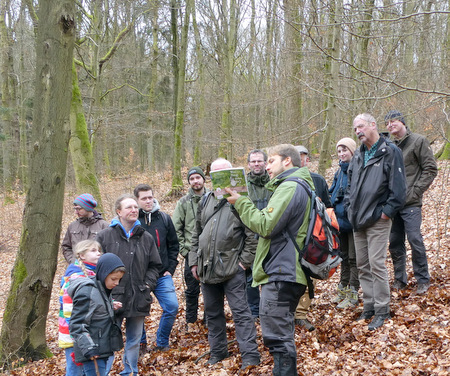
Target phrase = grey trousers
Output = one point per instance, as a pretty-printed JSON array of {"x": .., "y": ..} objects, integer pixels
[
  {"x": 276, "y": 312},
  {"x": 407, "y": 222},
  {"x": 371, "y": 252},
  {"x": 235, "y": 291}
]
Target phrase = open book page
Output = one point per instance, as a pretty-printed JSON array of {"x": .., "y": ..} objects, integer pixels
[{"x": 234, "y": 178}]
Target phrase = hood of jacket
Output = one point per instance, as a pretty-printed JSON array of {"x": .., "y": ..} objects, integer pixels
[
  {"x": 106, "y": 264},
  {"x": 88, "y": 220},
  {"x": 259, "y": 180},
  {"x": 116, "y": 222},
  {"x": 148, "y": 215}
]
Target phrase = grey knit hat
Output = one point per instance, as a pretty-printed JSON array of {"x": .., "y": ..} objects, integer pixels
[{"x": 394, "y": 115}]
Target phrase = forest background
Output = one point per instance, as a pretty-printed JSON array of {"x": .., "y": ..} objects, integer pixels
[{"x": 117, "y": 88}]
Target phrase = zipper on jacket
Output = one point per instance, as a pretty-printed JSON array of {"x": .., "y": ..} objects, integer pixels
[{"x": 158, "y": 241}]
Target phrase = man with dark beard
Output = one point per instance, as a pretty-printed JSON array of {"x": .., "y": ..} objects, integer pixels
[{"x": 184, "y": 222}]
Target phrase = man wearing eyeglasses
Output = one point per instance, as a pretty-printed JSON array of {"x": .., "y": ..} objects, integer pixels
[
  {"x": 88, "y": 224},
  {"x": 256, "y": 179}
]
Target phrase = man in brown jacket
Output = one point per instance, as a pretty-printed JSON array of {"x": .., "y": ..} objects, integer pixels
[{"x": 88, "y": 224}]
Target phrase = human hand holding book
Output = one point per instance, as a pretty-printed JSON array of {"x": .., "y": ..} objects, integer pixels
[{"x": 234, "y": 178}]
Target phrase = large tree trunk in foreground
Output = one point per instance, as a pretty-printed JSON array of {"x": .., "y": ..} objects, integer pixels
[{"x": 24, "y": 320}]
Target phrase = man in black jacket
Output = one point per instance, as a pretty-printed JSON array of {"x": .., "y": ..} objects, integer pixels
[
  {"x": 257, "y": 178},
  {"x": 376, "y": 192},
  {"x": 160, "y": 226}
]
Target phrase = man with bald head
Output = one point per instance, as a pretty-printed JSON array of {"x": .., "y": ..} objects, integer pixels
[{"x": 222, "y": 248}]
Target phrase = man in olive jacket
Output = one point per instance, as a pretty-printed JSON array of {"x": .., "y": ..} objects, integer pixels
[
  {"x": 420, "y": 170},
  {"x": 184, "y": 222},
  {"x": 276, "y": 267},
  {"x": 222, "y": 249}
]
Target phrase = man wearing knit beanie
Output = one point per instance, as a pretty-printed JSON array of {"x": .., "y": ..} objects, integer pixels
[
  {"x": 86, "y": 226},
  {"x": 420, "y": 170},
  {"x": 184, "y": 221},
  {"x": 196, "y": 170},
  {"x": 86, "y": 201}
]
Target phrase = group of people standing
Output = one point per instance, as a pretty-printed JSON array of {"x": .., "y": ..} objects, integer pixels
[{"x": 238, "y": 247}]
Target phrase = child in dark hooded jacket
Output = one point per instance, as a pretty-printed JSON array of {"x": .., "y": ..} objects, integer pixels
[{"x": 92, "y": 324}]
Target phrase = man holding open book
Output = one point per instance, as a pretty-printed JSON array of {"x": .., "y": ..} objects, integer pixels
[{"x": 222, "y": 249}]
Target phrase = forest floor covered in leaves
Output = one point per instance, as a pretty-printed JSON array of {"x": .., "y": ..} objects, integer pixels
[{"x": 415, "y": 341}]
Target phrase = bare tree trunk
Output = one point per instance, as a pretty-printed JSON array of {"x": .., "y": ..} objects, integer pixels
[
  {"x": 198, "y": 144},
  {"x": 24, "y": 320},
  {"x": 153, "y": 83},
  {"x": 6, "y": 101},
  {"x": 177, "y": 182},
  {"x": 226, "y": 128},
  {"x": 80, "y": 146},
  {"x": 331, "y": 79}
]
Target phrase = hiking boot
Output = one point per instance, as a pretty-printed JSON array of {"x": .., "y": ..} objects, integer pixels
[
  {"x": 250, "y": 362},
  {"x": 142, "y": 349},
  {"x": 341, "y": 294},
  {"x": 189, "y": 327},
  {"x": 161, "y": 348},
  {"x": 305, "y": 324},
  {"x": 422, "y": 288},
  {"x": 213, "y": 359},
  {"x": 399, "y": 285},
  {"x": 366, "y": 315},
  {"x": 378, "y": 321},
  {"x": 351, "y": 299}
]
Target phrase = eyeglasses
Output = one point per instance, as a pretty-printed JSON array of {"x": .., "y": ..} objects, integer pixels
[{"x": 77, "y": 208}]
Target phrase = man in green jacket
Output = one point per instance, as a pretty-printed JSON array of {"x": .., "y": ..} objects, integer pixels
[
  {"x": 276, "y": 267},
  {"x": 184, "y": 222}
]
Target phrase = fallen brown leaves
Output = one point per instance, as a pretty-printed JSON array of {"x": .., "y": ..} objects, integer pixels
[{"x": 415, "y": 341}]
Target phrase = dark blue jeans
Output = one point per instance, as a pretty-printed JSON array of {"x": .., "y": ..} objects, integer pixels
[
  {"x": 167, "y": 299},
  {"x": 407, "y": 223}
]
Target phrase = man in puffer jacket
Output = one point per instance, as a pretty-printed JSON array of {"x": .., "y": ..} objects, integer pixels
[
  {"x": 222, "y": 249},
  {"x": 420, "y": 170}
]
